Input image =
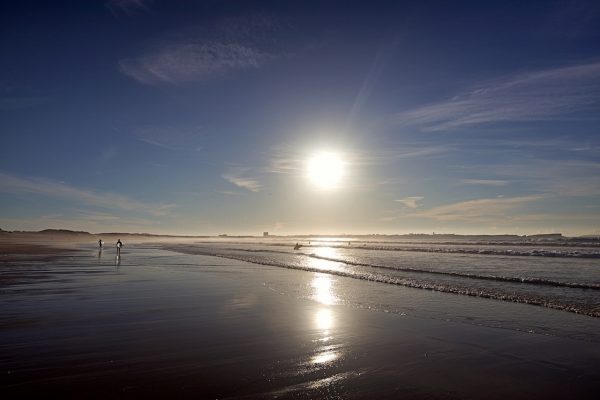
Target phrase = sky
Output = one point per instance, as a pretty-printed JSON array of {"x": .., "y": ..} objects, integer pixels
[{"x": 199, "y": 117}]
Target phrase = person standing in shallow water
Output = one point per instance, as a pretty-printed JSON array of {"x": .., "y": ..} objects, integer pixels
[
  {"x": 119, "y": 245},
  {"x": 100, "y": 243}
]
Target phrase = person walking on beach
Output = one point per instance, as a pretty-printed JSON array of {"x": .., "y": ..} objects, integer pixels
[
  {"x": 119, "y": 245},
  {"x": 100, "y": 245}
]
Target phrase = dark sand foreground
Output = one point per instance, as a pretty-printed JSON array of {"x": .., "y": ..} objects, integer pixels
[{"x": 160, "y": 324}]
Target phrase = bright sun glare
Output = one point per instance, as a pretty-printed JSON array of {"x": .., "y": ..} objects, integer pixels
[{"x": 325, "y": 170}]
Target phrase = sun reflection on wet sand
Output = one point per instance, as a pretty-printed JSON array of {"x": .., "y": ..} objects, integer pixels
[
  {"x": 324, "y": 321},
  {"x": 325, "y": 357},
  {"x": 323, "y": 293}
]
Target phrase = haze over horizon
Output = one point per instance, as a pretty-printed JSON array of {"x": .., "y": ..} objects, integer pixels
[{"x": 212, "y": 117}]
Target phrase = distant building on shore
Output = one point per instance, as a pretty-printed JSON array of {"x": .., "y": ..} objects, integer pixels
[{"x": 265, "y": 234}]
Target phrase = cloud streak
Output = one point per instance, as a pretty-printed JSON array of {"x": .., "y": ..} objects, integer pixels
[
  {"x": 204, "y": 54},
  {"x": 411, "y": 202},
  {"x": 477, "y": 210},
  {"x": 561, "y": 178},
  {"x": 542, "y": 95},
  {"x": 179, "y": 63},
  {"x": 228, "y": 192},
  {"x": 170, "y": 138},
  {"x": 240, "y": 177},
  {"x": 15, "y": 185},
  {"x": 485, "y": 182}
]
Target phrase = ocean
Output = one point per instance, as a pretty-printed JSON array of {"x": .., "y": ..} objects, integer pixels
[{"x": 557, "y": 275}]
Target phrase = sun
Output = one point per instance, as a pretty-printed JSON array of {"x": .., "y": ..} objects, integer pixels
[{"x": 325, "y": 169}]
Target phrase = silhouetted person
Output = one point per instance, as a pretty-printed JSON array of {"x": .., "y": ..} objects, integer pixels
[
  {"x": 119, "y": 245},
  {"x": 100, "y": 243}
]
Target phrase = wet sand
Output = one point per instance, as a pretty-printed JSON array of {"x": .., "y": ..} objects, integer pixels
[{"x": 161, "y": 324}]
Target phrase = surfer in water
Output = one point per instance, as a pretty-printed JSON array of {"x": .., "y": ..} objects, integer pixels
[
  {"x": 297, "y": 246},
  {"x": 119, "y": 245},
  {"x": 100, "y": 243}
]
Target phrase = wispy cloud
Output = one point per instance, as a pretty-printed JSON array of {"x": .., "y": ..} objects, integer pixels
[
  {"x": 12, "y": 184},
  {"x": 562, "y": 178},
  {"x": 401, "y": 152},
  {"x": 485, "y": 182},
  {"x": 411, "y": 202},
  {"x": 208, "y": 53},
  {"x": 228, "y": 192},
  {"x": 127, "y": 7},
  {"x": 542, "y": 95},
  {"x": 573, "y": 187},
  {"x": 171, "y": 138},
  {"x": 193, "y": 62},
  {"x": 546, "y": 217},
  {"x": 477, "y": 210},
  {"x": 284, "y": 161},
  {"x": 241, "y": 177}
]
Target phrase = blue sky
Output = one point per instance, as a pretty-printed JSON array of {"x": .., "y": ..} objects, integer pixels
[{"x": 198, "y": 117}]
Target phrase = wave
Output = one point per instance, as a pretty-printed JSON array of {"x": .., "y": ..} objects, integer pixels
[
  {"x": 512, "y": 279},
  {"x": 480, "y": 251},
  {"x": 590, "y": 244},
  {"x": 409, "y": 282},
  {"x": 522, "y": 252}
]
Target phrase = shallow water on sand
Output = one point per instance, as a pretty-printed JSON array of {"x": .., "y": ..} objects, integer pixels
[{"x": 157, "y": 323}]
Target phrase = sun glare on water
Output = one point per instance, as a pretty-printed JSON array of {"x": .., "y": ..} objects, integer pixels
[{"x": 325, "y": 170}]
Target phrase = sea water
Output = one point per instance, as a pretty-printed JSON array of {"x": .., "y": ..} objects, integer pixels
[{"x": 555, "y": 275}]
